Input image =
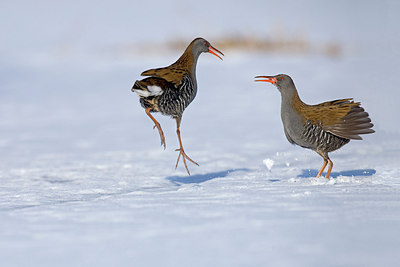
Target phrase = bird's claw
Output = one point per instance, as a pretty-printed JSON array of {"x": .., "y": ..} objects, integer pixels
[
  {"x": 160, "y": 131},
  {"x": 184, "y": 157}
]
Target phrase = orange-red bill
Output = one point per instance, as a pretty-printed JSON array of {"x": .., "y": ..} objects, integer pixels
[
  {"x": 214, "y": 51},
  {"x": 269, "y": 79}
]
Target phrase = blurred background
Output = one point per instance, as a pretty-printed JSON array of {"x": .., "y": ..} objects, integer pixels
[
  {"x": 70, "y": 65},
  {"x": 67, "y": 68},
  {"x": 83, "y": 179},
  {"x": 45, "y": 32}
]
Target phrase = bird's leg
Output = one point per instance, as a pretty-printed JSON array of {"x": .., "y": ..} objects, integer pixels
[
  {"x": 160, "y": 131},
  {"x": 329, "y": 168},
  {"x": 324, "y": 155},
  {"x": 180, "y": 149},
  {"x": 322, "y": 168}
]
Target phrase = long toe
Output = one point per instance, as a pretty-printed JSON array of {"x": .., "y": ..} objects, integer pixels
[
  {"x": 184, "y": 157},
  {"x": 163, "y": 140},
  {"x": 160, "y": 131},
  {"x": 182, "y": 152}
]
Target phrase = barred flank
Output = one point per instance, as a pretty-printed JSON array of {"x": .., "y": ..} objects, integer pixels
[
  {"x": 174, "y": 100},
  {"x": 322, "y": 140}
]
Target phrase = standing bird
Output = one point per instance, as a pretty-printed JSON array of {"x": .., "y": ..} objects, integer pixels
[
  {"x": 323, "y": 128},
  {"x": 171, "y": 89}
]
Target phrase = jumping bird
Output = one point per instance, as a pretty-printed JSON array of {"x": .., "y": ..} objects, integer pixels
[{"x": 171, "y": 89}]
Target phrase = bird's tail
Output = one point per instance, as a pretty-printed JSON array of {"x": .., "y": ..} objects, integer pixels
[
  {"x": 138, "y": 86},
  {"x": 146, "y": 88}
]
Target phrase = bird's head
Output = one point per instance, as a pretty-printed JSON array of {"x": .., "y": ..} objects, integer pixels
[
  {"x": 201, "y": 45},
  {"x": 282, "y": 81}
]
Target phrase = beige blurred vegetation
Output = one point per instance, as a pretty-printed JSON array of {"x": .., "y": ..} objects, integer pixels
[{"x": 282, "y": 44}]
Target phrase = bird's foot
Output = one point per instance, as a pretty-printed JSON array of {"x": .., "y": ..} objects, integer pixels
[
  {"x": 184, "y": 157},
  {"x": 327, "y": 177},
  {"x": 160, "y": 131}
]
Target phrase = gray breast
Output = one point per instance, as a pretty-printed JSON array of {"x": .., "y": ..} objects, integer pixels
[{"x": 293, "y": 126}]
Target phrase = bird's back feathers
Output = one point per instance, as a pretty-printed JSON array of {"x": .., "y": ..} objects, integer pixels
[
  {"x": 175, "y": 72},
  {"x": 343, "y": 117},
  {"x": 170, "y": 74}
]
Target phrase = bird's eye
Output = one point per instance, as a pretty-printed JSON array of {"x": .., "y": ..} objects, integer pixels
[{"x": 281, "y": 78}]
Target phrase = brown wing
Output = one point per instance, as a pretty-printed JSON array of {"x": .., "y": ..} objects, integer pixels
[
  {"x": 170, "y": 74},
  {"x": 344, "y": 118}
]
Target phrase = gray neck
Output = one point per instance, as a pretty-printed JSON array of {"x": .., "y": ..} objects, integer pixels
[
  {"x": 290, "y": 117},
  {"x": 195, "y": 58},
  {"x": 193, "y": 68}
]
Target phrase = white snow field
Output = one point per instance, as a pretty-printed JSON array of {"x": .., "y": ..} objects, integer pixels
[{"x": 85, "y": 182}]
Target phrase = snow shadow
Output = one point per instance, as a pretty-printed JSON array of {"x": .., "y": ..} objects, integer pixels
[
  {"x": 200, "y": 178},
  {"x": 312, "y": 173}
]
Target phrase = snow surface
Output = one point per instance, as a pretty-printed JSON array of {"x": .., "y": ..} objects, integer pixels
[{"x": 84, "y": 181}]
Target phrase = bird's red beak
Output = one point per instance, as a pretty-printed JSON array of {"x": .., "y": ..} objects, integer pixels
[
  {"x": 214, "y": 51},
  {"x": 269, "y": 79}
]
